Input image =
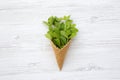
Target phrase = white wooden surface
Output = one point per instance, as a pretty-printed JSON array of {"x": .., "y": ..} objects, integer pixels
[{"x": 25, "y": 54}]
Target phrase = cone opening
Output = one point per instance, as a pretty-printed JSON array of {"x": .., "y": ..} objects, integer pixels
[{"x": 62, "y": 47}]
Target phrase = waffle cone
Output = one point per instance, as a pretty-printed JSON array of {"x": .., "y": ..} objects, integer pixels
[{"x": 60, "y": 53}]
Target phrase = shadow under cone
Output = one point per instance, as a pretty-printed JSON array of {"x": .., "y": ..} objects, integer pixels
[{"x": 60, "y": 53}]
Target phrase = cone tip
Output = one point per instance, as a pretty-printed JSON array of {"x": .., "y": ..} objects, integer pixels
[{"x": 60, "y": 68}]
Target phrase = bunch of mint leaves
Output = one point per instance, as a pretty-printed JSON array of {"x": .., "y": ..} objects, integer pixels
[{"x": 61, "y": 30}]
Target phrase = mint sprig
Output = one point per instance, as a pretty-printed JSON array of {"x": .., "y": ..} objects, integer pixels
[{"x": 61, "y": 30}]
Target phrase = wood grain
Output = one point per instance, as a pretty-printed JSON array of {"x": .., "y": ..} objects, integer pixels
[{"x": 25, "y": 54}]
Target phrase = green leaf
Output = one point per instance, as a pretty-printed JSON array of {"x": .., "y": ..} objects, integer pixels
[
  {"x": 63, "y": 34},
  {"x": 68, "y": 17},
  {"x": 62, "y": 26},
  {"x": 60, "y": 30},
  {"x": 48, "y": 36},
  {"x": 73, "y": 25},
  {"x": 57, "y": 42},
  {"x": 45, "y": 23},
  {"x": 72, "y": 35},
  {"x": 63, "y": 40}
]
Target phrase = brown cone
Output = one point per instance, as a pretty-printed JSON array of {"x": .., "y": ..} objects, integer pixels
[{"x": 60, "y": 53}]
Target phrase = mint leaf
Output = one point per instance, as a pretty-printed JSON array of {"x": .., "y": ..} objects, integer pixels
[
  {"x": 48, "y": 36},
  {"x": 63, "y": 34},
  {"x": 60, "y": 30},
  {"x": 57, "y": 42}
]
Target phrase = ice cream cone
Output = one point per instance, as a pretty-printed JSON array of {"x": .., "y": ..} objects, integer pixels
[{"x": 60, "y": 53}]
